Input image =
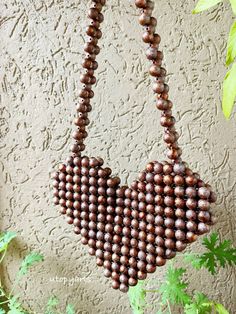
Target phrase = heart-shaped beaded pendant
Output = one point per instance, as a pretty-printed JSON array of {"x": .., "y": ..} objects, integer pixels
[{"x": 131, "y": 230}]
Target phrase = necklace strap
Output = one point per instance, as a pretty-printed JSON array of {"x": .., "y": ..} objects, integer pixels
[{"x": 156, "y": 70}]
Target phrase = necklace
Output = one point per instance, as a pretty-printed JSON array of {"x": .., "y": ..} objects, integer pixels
[{"x": 131, "y": 230}]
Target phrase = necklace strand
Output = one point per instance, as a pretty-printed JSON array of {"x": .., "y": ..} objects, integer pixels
[{"x": 154, "y": 55}]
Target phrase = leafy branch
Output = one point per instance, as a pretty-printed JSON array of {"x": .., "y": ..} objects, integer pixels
[
  {"x": 173, "y": 291},
  {"x": 11, "y": 303},
  {"x": 217, "y": 254},
  {"x": 229, "y": 83}
]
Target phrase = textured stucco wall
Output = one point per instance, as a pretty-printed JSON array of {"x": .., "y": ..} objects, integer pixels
[{"x": 41, "y": 47}]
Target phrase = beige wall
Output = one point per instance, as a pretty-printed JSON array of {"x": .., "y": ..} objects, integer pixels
[{"x": 41, "y": 46}]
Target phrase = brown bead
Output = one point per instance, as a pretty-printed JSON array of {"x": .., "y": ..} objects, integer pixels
[
  {"x": 123, "y": 279},
  {"x": 93, "y": 13},
  {"x": 160, "y": 261},
  {"x": 167, "y": 121},
  {"x": 180, "y": 224},
  {"x": 170, "y": 253},
  {"x": 191, "y": 237},
  {"x": 191, "y": 203},
  {"x": 191, "y": 214},
  {"x": 179, "y": 180},
  {"x": 169, "y": 233},
  {"x": 151, "y": 268},
  {"x": 204, "y": 216},
  {"x": 132, "y": 281},
  {"x": 169, "y": 222},
  {"x": 169, "y": 212},
  {"x": 203, "y": 204},
  {"x": 180, "y": 213},
  {"x": 191, "y": 180},
  {"x": 213, "y": 197},
  {"x": 142, "y": 4},
  {"x": 144, "y": 19},
  {"x": 151, "y": 53},
  {"x": 174, "y": 153},
  {"x": 168, "y": 179},
  {"x": 115, "y": 275},
  {"x": 180, "y": 235},
  {"x": 179, "y": 191},
  {"x": 158, "y": 87},
  {"x": 202, "y": 228},
  {"x": 169, "y": 201},
  {"x": 170, "y": 244},
  {"x": 142, "y": 275},
  {"x": 204, "y": 193},
  {"x": 180, "y": 246},
  {"x": 115, "y": 284},
  {"x": 191, "y": 226},
  {"x": 191, "y": 192},
  {"x": 159, "y": 241}
]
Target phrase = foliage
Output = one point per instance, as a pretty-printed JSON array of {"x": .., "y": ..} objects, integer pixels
[
  {"x": 52, "y": 304},
  {"x": 229, "y": 83},
  {"x": 203, "y": 5},
  {"x": 174, "y": 290},
  {"x": 200, "y": 304},
  {"x": 70, "y": 309},
  {"x": 29, "y": 261},
  {"x": 231, "y": 45},
  {"x": 11, "y": 303},
  {"x": 217, "y": 254},
  {"x": 137, "y": 297},
  {"x": 229, "y": 91},
  {"x": 5, "y": 239}
]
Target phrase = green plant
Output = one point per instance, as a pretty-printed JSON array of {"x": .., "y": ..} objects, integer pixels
[
  {"x": 229, "y": 83},
  {"x": 10, "y": 304},
  {"x": 173, "y": 291}
]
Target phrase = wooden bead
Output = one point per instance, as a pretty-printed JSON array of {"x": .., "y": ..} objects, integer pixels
[
  {"x": 157, "y": 87},
  {"x": 142, "y": 4},
  {"x": 148, "y": 37},
  {"x": 144, "y": 19},
  {"x": 151, "y": 53}
]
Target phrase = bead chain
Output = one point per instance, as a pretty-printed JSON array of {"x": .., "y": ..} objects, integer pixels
[{"x": 156, "y": 70}]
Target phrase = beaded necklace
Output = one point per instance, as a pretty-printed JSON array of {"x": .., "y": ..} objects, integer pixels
[{"x": 131, "y": 230}]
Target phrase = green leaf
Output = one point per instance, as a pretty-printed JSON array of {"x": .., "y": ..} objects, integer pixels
[
  {"x": 233, "y": 5},
  {"x": 229, "y": 91},
  {"x": 5, "y": 239},
  {"x": 200, "y": 305},
  {"x": 173, "y": 289},
  {"x": 28, "y": 261},
  {"x": 231, "y": 45},
  {"x": 137, "y": 297},
  {"x": 220, "y": 309},
  {"x": 218, "y": 253},
  {"x": 15, "y": 307},
  {"x": 51, "y": 305},
  {"x": 70, "y": 309},
  {"x": 194, "y": 259},
  {"x": 203, "y": 5},
  {"x": 2, "y": 292},
  {"x": 2, "y": 311}
]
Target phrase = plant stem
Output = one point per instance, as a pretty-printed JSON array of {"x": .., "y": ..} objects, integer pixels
[
  {"x": 151, "y": 290},
  {"x": 3, "y": 255},
  {"x": 15, "y": 283},
  {"x": 168, "y": 304}
]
